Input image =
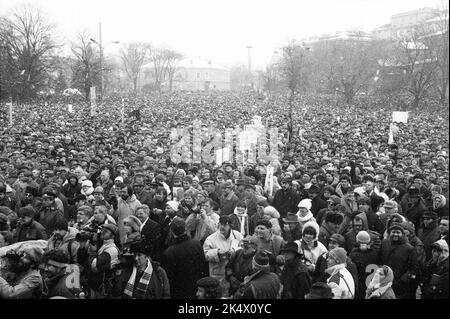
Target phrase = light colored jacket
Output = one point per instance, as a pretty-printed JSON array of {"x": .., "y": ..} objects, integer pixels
[
  {"x": 341, "y": 282},
  {"x": 212, "y": 245},
  {"x": 64, "y": 244}
]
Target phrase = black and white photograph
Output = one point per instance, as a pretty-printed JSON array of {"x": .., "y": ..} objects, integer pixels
[{"x": 242, "y": 151}]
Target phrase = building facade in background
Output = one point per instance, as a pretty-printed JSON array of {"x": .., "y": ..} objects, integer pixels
[{"x": 429, "y": 20}]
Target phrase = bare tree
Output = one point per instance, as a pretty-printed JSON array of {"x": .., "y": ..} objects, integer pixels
[
  {"x": 27, "y": 45},
  {"x": 173, "y": 58},
  {"x": 347, "y": 66},
  {"x": 86, "y": 69},
  {"x": 159, "y": 63},
  {"x": 438, "y": 42},
  {"x": 292, "y": 70},
  {"x": 133, "y": 57},
  {"x": 418, "y": 63}
]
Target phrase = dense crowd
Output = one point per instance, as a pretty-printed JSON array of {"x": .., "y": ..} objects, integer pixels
[{"x": 94, "y": 206}]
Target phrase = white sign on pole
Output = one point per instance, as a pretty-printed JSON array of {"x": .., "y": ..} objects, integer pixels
[
  {"x": 222, "y": 155},
  {"x": 268, "y": 184},
  {"x": 401, "y": 117},
  {"x": 70, "y": 108},
  {"x": 93, "y": 102}
]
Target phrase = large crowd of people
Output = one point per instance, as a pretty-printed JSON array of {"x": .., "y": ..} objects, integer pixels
[{"x": 92, "y": 204}]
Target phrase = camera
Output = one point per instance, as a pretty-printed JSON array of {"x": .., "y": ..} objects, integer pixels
[{"x": 90, "y": 232}]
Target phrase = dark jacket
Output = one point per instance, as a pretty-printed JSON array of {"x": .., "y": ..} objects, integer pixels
[
  {"x": 317, "y": 204},
  {"x": 48, "y": 216},
  {"x": 429, "y": 236},
  {"x": 145, "y": 198},
  {"x": 34, "y": 231},
  {"x": 414, "y": 212},
  {"x": 295, "y": 280},
  {"x": 436, "y": 280},
  {"x": 260, "y": 285},
  {"x": 363, "y": 259},
  {"x": 402, "y": 258},
  {"x": 158, "y": 287},
  {"x": 151, "y": 233},
  {"x": 286, "y": 201},
  {"x": 58, "y": 287},
  {"x": 237, "y": 269},
  {"x": 185, "y": 264},
  {"x": 228, "y": 204}
]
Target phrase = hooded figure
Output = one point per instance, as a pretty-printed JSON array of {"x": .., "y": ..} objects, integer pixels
[
  {"x": 436, "y": 282},
  {"x": 304, "y": 212},
  {"x": 440, "y": 205},
  {"x": 309, "y": 246},
  {"x": 380, "y": 287}
]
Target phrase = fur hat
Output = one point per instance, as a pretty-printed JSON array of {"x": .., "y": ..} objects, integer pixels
[{"x": 178, "y": 226}]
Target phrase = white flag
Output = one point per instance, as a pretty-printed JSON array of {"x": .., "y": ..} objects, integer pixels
[{"x": 268, "y": 184}]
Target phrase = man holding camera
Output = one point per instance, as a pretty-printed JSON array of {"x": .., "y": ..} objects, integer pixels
[{"x": 102, "y": 262}]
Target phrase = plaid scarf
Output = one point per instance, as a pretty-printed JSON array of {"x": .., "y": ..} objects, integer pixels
[{"x": 141, "y": 287}]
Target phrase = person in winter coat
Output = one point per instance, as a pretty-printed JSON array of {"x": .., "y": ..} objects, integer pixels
[
  {"x": 220, "y": 247},
  {"x": 102, "y": 262},
  {"x": 63, "y": 239},
  {"x": 141, "y": 194},
  {"x": 294, "y": 277},
  {"x": 262, "y": 283},
  {"x": 310, "y": 246},
  {"x": 150, "y": 231},
  {"x": 49, "y": 213},
  {"x": 320, "y": 274},
  {"x": 56, "y": 278},
  {"x": 27, "y": 282},
  {"x": 330, "y": 226},
  {"x": 443, "y": 228},
  {"x": 428, "y": 233},
  {"x": 127, "y": 205},
  {"x": 27, "y": 228},
  {"x": 285, "y": 199},
  {"x": 365, "y": 258},
  {"x": 228, "y": 200},
  {"x": 340, "y": 281},
  {"x": 145, "y": 280},
  {"x": 184, "y": 262},
  {"x": 204, "y": 223},
  {"x": 316, "y": 202},
  {"x": 413, "y": 206},
  {"x": 72, "y": 188},
  {"x": 401, "y": 256},
  {"x": 304, "y": 212},
  {"x": 436, "y": 277},
  {"x": 268, "y": 241},
  {"x": 240, "y": 265},
  {"x": 410, "y": 233},
  {"x": 380, "y": 287},
  {"x": 440, "y": 205},
  {"x": 240, "y": 219}
]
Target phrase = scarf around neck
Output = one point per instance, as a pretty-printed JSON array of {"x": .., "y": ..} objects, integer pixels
[{"x": 143, "y": 283}]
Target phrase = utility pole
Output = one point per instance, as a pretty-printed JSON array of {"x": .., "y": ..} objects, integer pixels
[{"x": 249, "y": 66}]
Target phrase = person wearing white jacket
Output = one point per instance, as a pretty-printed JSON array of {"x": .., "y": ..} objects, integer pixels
[
  {"x": 304, "y": 212},
  {"x": 340, "y": 281},
  {"x": 310, "y": 246},
  {"x": 220, "y": 247}
]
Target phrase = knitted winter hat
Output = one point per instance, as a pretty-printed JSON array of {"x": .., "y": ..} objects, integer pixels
[
  {"x": 363, "y": 237},
  {"x": 339, "y": 254}
]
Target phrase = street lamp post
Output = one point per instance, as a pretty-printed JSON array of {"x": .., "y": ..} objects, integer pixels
[
  {"x": 249, "y": 66},
  {"x": 99, "y": 43}
]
